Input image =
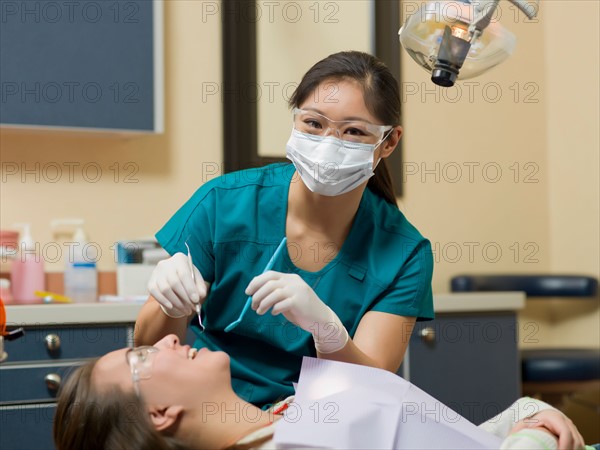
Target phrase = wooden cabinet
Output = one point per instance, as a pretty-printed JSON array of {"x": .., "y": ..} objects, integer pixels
[
  {"x": 468, "y": 361},
  {"x": 58, "y": 338},
  {"x": 37, "y": 364}
]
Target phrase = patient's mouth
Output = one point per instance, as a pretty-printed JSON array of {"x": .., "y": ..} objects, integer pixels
[{"x": 192, "y": 352}]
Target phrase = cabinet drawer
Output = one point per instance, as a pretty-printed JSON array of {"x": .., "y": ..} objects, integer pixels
[
  {"x": 55, "y": 343},
  {"x": 468, "y": 362},
  {"x": 28, "y": 383},
  {"x": 27, "y": 427}
]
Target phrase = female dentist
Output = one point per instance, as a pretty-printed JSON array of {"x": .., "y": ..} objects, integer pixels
[{"x": 354, "y": 274}]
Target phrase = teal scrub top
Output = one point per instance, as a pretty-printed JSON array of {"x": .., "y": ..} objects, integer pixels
[{"x": 234, "y": 223}]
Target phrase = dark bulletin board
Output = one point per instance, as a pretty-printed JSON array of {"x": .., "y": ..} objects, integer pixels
[{"x": 83, "y": 64}]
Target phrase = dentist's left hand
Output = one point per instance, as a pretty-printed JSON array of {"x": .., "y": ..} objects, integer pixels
[{"x": 288, "y": 294}]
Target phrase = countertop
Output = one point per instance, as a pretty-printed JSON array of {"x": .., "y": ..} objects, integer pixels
[
  {"x": 103, "y": 313},
  {"x": 478, "y": 301},
  {"x": 71, "y": 313}
]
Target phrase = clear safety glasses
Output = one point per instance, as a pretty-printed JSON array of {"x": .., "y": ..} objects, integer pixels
[
  {"x": 140, "y": 360},
  {"x": 358, "y": 131}
]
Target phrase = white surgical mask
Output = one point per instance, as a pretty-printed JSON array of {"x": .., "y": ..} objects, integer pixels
[{"x": 328, "y": 165}]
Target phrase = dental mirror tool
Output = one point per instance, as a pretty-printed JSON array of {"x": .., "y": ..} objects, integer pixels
[
  {"x": 268, "y": 267},
  {"x": 191, "y": 264}
]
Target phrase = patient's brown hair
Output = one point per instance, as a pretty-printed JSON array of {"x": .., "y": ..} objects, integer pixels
[
  {"x": 109, "y": 420},
  {"x": 115, "y": 420}
]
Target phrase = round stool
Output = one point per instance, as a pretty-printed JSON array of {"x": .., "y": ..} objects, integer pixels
[{"x": 553, "y": 374}]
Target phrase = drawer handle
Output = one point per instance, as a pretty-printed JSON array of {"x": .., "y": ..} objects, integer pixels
[
  {"x": 3, "y": 354},
  {"x": 52, "y": 342},
  {"x": 52, "y": 381},
  {"x": 427, "y": 334}
]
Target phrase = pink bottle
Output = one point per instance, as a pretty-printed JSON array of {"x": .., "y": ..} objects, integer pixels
[{"x": 27, "y": 274}]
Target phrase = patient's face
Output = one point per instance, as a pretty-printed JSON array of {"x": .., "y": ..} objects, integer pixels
[{"x": 176, "y": 374}]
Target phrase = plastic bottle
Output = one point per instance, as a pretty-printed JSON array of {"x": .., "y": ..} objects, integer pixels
[
  {"x": 27, "y": 272},
  {"x": 5, "y": 292},
  {"x": 9, "y": 243},
  {"x": 81, "y": 276}
]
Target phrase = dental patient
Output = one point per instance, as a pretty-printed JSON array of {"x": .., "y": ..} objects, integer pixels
[{"x": 169, "y": 396}]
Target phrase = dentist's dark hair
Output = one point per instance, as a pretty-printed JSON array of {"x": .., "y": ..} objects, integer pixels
[{"x": 381, "y": 95}]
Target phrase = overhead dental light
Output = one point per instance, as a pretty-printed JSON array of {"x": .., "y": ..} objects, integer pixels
[{"x": 459, "y": 39}]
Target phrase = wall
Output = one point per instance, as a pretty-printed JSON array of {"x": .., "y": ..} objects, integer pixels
[
  {"x": 573, "y": 140},
  {"x": 289, "y": 41},
  {"x": 536, "y": 118},
  {"x": 524, "y": 136},
  {"x": 476, "y": 161},
  {"x": 124, "y": 187}
]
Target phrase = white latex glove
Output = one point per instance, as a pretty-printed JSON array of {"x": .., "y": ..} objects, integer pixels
[
  {"x": 173, "y": 287},
  {"x": 288, "y": 294}
]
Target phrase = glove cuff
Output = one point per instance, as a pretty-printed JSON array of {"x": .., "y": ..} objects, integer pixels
[
  {"x": 164, "y": 310},
  {"x": 330, "y": 336}
]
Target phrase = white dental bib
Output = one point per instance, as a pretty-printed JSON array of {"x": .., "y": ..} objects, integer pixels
[{"x": 341, "y": 405}]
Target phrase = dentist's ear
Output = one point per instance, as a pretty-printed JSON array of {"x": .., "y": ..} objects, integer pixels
[
  {"x": 390, "y": 144},
  {"x": 165, "y": 418}
]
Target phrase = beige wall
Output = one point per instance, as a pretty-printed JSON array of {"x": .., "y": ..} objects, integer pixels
[
  {"x": 491, "y": 216},
  {"x": 573, "y": 142},
  {"x": 155, "y": 174},
  {"x": 535, "y": 118},
  {"x": 538, "y": 113},
  {"x": 282, "y": 41}
]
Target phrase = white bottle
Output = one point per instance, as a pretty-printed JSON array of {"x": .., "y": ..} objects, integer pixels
[{"x": 81, "y": 276}]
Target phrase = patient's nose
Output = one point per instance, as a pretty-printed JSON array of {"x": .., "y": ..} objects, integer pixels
[{"x": 169, "y": 341}]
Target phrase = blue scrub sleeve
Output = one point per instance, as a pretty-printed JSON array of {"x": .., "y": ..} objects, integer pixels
[
  {"x": 193, "y": 223},
  {"x": 411, "y": 294}
]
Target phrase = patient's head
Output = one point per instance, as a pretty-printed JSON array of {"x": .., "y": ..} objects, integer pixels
[
  {"x": 166, "y": 371},
  {"x": 140, "y": 398},
  {"x": 90, "y": 419}
]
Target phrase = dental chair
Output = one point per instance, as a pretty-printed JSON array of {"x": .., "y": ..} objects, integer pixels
[{"x": 550, "y": 374}]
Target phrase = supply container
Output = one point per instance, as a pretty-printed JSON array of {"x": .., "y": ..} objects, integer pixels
[
  {"x": 81, "y": 275},
  {"x": 136, "y": 260},
  {"x": 27, "y": 272}
]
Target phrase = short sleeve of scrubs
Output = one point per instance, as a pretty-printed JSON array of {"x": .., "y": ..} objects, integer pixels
[
  {"x": 192, "y": 224},
  {"x": 410, "y": 294}
]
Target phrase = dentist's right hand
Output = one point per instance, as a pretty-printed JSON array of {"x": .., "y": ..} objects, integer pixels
[{"x": 173, "y": 286}]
